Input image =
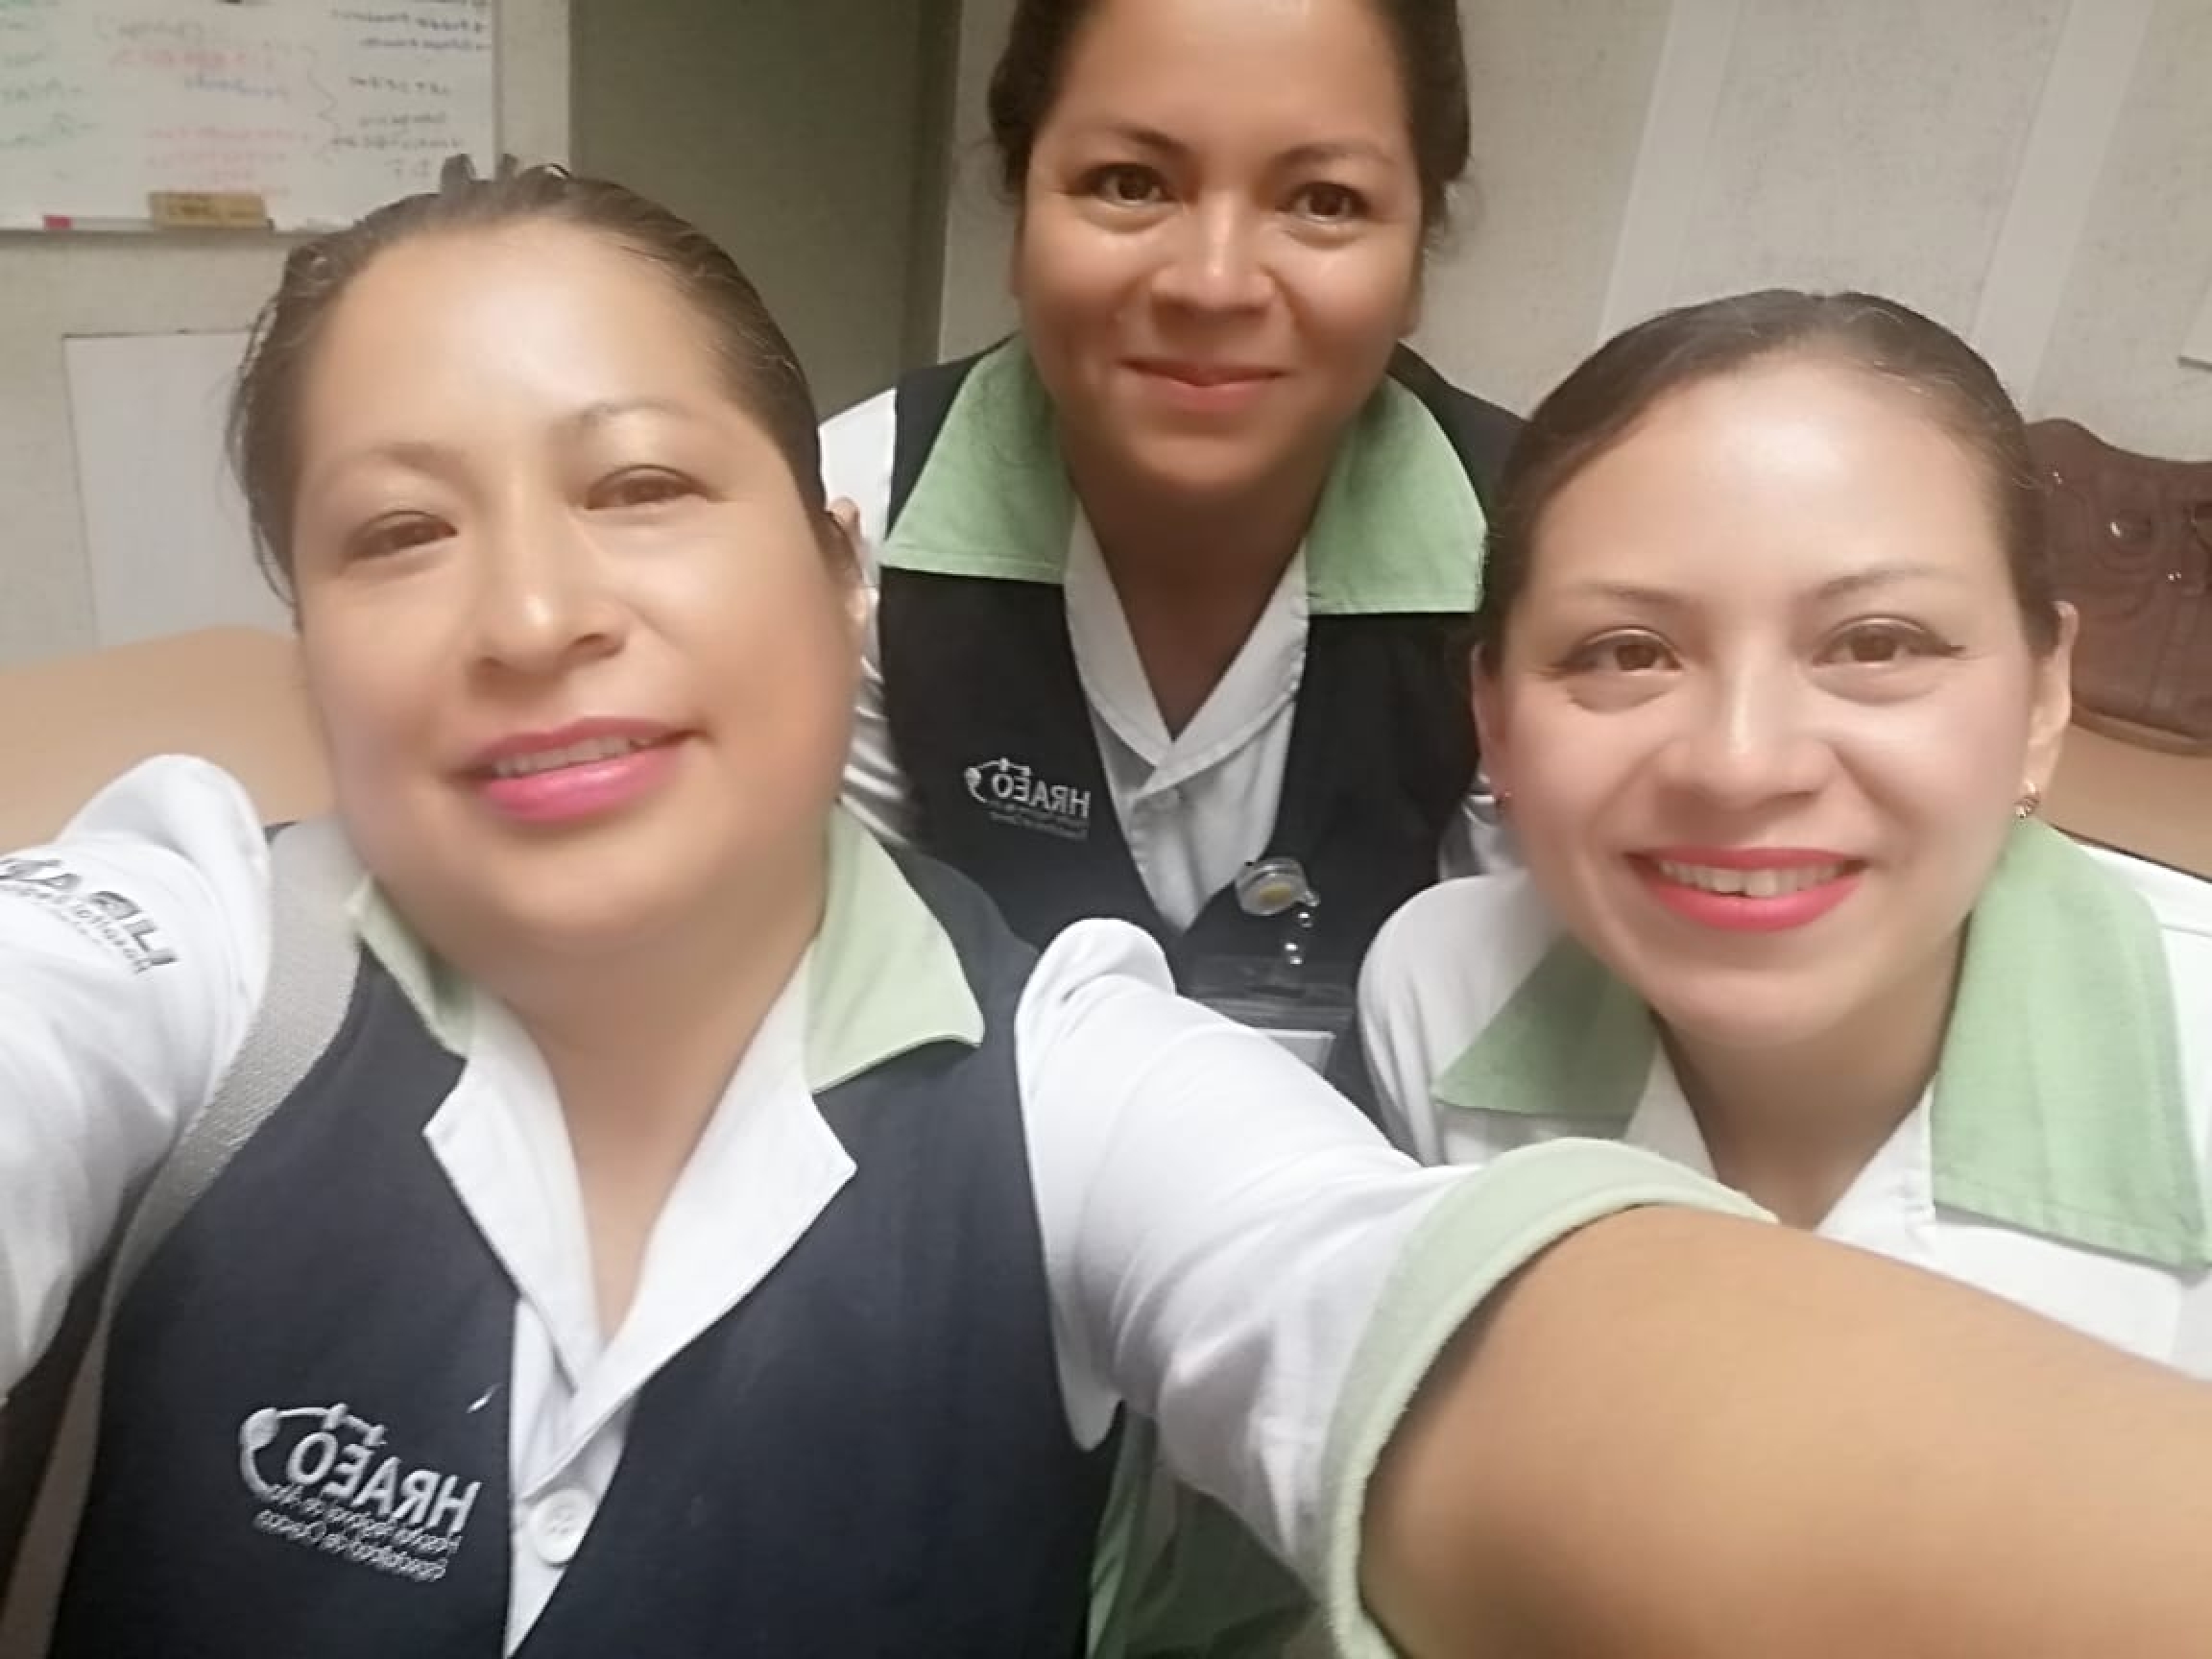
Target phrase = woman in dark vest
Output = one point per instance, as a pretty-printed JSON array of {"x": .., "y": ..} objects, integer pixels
[
  {"x": 1174, "y": 580},
  {"x": 602, "y": 1203}
]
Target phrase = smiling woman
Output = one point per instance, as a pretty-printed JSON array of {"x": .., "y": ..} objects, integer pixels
[
  {"x": 672, "y": 1222},
  {"x": 1213, "y": 526},
  {"x": 1772, "y": 670}
]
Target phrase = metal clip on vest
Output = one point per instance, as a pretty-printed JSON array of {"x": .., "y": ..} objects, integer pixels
[{"x": 1278, "y": 888}]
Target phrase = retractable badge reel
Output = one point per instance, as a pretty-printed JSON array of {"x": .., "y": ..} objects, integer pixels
[
  {"x": 1277, "y": 888},
  {"x": 1283, "y": 991}
]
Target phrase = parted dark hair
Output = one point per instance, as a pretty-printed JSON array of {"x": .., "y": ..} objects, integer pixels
[
  {"x": 762, "y": 370},
  {"x": 1432, "y": 66},
  {"x": 1597, "y": 406}
]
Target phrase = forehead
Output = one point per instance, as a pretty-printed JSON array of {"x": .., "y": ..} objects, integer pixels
[
  {"x": 446, "y": 327},
  {"x": 1260, "y": 69},
  {"x": 1797, "y": 467}
]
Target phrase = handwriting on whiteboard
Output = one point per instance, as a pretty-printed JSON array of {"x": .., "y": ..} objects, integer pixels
[{"x": 321, "y": 109}]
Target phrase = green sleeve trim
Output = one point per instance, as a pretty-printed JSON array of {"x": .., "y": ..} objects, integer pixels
[{"x": 1478, "y": 1236}]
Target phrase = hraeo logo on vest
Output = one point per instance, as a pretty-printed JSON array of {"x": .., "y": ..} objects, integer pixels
[
  {"x": 326, "y": 1482},
  {"x": 1012, "y": 793}
]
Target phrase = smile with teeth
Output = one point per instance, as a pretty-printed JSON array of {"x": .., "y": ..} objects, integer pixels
[
  {"x": 1769, "y": 883},
  {"x": 581, "y": 754}
]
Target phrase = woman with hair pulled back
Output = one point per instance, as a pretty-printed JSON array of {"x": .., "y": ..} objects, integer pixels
[
  {"x": 1172, "y": 582},
  {"x": 1772, "y": 676},
  {"x": 668, "y": 1223}
]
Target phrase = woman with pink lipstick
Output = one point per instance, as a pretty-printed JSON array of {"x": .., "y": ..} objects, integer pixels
[
  {"x": 1173, "y": 583},
  {"x": 598, "y": 1202},
  {"x": 1772, "y": 676}
]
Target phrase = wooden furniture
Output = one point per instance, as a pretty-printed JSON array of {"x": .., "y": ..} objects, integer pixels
[
  {"x": 69, "y": 725},
  {"x": 2141, "y": 801}
]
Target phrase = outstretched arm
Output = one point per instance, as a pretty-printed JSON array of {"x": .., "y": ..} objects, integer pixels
[
  {"x": 1688, "y": 1434},
  {"x": 131, "y": 955}
]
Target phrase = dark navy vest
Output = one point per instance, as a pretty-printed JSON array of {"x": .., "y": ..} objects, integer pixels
[
  {"x": 1381, "y": 751},
  {"x": 304, "y": 1445}
]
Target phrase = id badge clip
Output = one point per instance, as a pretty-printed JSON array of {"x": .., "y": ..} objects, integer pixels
[{"x": 1282, "y": 991}]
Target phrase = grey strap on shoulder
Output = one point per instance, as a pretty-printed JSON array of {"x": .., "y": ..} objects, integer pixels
[{"x": 314, "y": 959}]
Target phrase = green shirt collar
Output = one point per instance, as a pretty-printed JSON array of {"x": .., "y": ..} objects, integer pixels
[
  {"x": 1398, "y": 529},
  {"x": 2058, "y": 1104},
  {"x": 882, "y": 978}
]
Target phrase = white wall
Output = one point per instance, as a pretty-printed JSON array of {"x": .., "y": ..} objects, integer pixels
[
  {"x": 1928, "y": 149},
  {"x": 54, "y": 286}
]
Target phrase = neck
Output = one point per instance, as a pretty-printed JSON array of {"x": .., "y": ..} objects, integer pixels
[
  {"x": 641, "y": 1040},
  {"x": 650, "y": 1030},
  {"x": 1793, "y": 1126},
  {"x": 1194, "y": 573}
]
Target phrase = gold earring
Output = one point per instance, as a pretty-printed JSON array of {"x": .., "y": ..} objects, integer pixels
[{"x": 2031, "y": 803}]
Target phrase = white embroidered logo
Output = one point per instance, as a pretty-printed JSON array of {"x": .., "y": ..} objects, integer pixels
[
  {"x": 1012, "y": 793},
  {"x": 115, "y": 920},
  {"x": 326, "y": 1482}
]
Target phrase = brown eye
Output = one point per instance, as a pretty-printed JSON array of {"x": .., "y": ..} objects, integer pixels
[
  {"x": 1883, "y": 644},
  {"x": 1125, "y": 184},
  {"x": 642, "y": 487},
  {"x": 1327, "y": 204},
  {"x": 1621, "y": 654},
  {"x": 395, "y": 533}
]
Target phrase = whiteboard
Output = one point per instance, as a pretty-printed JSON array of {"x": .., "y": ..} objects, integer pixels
[
  {"x": 323, "y": 108},
  {"x": 165, "y": 528}
]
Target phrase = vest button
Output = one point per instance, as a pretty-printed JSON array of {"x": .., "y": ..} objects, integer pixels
[{"x": 557, "y": 1525}]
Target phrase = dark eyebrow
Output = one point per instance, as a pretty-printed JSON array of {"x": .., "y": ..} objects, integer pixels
[
  {"x": 1844, "y": 586},
  {"x": 1335, "y": 150},
  {"x": 615, "y": 408},
  {"x": 419, "y": 455},
  {"x": 1883, "y": 575},
  {"x": 1631, "y": 595},
  {"x": 415, "y": 454},
  {"x": 1140, "y": 137},
  {"x": 1320, "y": 153}
]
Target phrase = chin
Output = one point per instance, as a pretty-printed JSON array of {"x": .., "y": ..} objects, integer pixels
[
  {"x": 1748, "y": 1017},
  {"x": 610, "y": 922},
  {"x": 1200, "y": 468}
]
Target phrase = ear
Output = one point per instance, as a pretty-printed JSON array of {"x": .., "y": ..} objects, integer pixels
[
  {"x": 1490, "y": 726},
  {"x": 847, "y": 545},
  {"x": 2053, "y": 705}
]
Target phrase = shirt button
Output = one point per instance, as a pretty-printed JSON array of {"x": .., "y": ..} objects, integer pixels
[{"x": 558, "y": 1523}]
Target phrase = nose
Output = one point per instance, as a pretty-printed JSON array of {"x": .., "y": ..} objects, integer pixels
[
  {"x": 1215, "y": 261},
  {"x": 542, "y": 600},
  {"x": 1752, "y": 740}
]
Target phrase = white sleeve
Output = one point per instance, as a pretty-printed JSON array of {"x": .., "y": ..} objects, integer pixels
[
  {"x": 1217, "y": 1224},
  {"x": 133, "y": 952},
  {"x": 1235, "y": 1253},
  {"x": 857, "y": 451}
]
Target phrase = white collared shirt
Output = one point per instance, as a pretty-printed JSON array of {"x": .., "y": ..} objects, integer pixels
[
  {"x": 1217, "y": 1225},
  {"x": 1196, "y": 806},
  {"x": 1445, "y": 966}
]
